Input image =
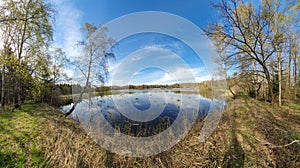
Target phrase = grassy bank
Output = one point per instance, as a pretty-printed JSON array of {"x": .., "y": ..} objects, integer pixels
[{"x": 250, "y": 134}]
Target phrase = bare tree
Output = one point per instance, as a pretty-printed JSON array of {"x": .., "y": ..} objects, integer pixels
[
  {"x": 252, "y": 41},
  {"x": 97, "y": 50}
]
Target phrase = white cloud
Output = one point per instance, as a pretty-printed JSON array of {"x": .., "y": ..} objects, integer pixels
[
  {"x": 183, "y": 74},
  {"x": 166, "y": 79},
  {"x": 67, "y": 28},
  {"x": 203, "y": 78},
  {"x": 175, "y": 75},
  {"x": 68, "y": 72},
  {"x": 112, "y": 67},
  {"x": 171, "y": 68},
  {"x": 198, "y": 71}
]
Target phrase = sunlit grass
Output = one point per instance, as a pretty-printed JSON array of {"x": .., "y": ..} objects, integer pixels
[
  {"x": 40, "y": 136},
  {"x": 17, "y": 131}
]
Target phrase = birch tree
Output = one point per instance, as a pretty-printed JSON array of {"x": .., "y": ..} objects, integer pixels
[
  {"x": 97, "y": 50},
  {"x": 30, "y": 22}
]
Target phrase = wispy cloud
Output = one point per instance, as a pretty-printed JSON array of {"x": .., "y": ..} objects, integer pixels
[
  {"x": 67, "y": 27},
  {"x": 171, "y": 45},
  {"x": 183, "y": 74},
  {"x": 167, "y": 68}
]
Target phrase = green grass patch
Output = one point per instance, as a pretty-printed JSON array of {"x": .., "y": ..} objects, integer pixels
[
  {"x": 295, "y": 135},
  {"x": 295, "y": 106},
  {"x": 18, "y": 131}
]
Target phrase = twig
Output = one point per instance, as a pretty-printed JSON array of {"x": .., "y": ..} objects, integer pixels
[
  {"x": 279, "y": 146},
  {"x": 286, "y": 145}
]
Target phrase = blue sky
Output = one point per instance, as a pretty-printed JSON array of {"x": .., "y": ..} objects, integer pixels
[{"x": 182, "y": 59}]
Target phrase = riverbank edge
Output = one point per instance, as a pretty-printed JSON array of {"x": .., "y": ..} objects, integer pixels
[{"x": 250, "y": 133}]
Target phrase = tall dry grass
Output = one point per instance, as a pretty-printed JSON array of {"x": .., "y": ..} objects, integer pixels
[{"x": 240, "y": 140}]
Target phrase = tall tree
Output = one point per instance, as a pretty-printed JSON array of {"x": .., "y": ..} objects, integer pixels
[
  {"x": 35, "y": 32},
  {"x": 254, "y": 36},
  {"x": 31, "y": 24},
  {"x": 278, "y": 26},
  {"x": 294, "y": 42},
  {"x": 7, "y": 31},
  {"x": 97, "y": 50}
]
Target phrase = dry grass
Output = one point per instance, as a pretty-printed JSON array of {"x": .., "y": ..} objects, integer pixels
[
  {"x": 66, "y": 144},
  {"x": 250, "y": 134}
]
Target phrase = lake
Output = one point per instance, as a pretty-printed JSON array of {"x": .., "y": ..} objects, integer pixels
[{"x": 140, "y": 113}]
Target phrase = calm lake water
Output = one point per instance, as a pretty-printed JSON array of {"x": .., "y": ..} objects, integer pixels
[{"x": 139, "y": 112}]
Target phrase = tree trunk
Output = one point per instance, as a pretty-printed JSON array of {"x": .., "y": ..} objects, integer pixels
[
  {"x": 295, "y": 76},
  {"x": 254, "y": 77},
  {"x": 279, "y": 78},
  {"x": 270, "y": 85},
  {"x": 14, "y": 95},
  {"x": 3, "y": 87},
  {"x": 86, "y": 85},
  {"x": 17, "y": 95},
  {"x": 289, "y": 72},
  {"x": 52, "y": 88},
  {"x": 20, "y": 52},
  {"x": 232, "y": 92},
  {"x": 263, "y": 90},
  {"x": 79, "y": 99}
]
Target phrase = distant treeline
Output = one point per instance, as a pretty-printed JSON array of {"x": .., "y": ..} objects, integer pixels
[
  {"x": 67, "y": 89},
  {"x": 144, "y": 86}
]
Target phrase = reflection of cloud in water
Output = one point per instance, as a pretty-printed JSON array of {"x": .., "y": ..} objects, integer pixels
[{"x": 170, "y": 104}]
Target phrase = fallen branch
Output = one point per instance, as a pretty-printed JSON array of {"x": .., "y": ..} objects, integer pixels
[
  {"x": 282, "y": 146},
  {"x": 279, "y": 146}
]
